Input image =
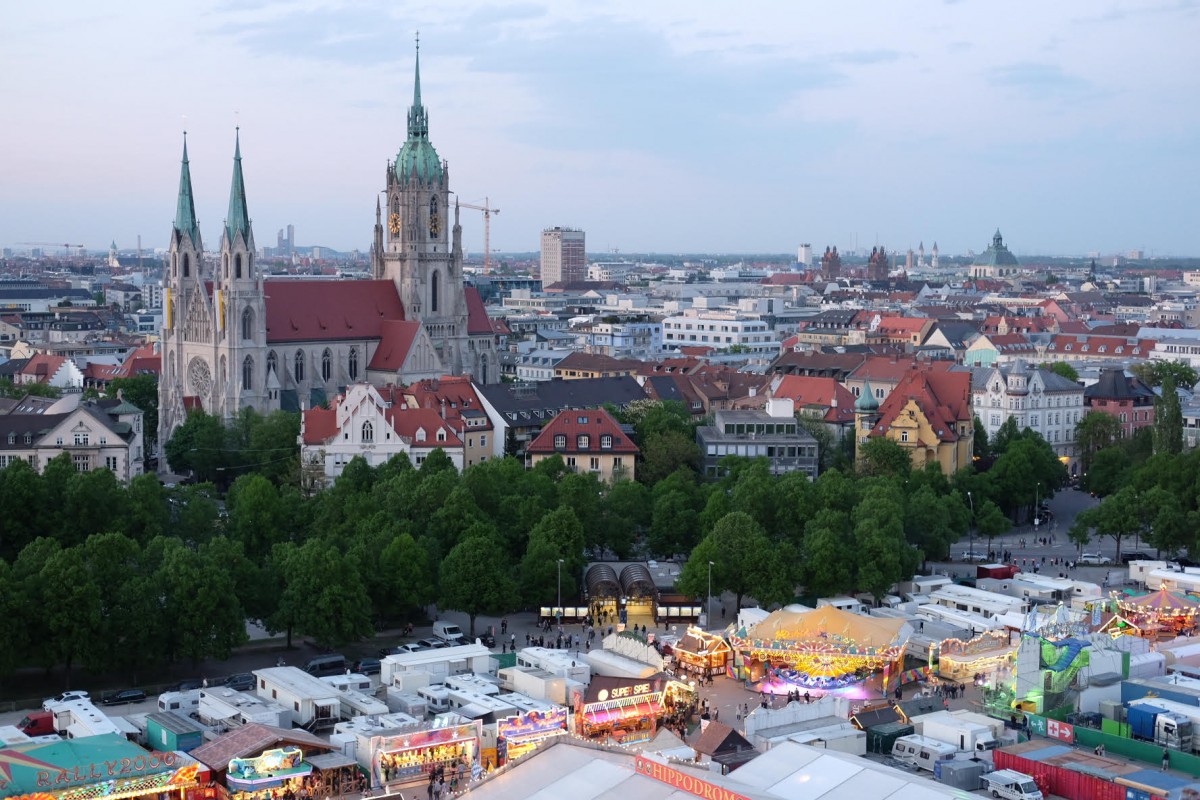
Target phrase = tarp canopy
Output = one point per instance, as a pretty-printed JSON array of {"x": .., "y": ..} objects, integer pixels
[
  {"x": 793, "y": 626},
  {"x": 1162, "y": 602}
]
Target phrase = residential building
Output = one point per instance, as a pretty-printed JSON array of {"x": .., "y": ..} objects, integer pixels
[
  {"x": 928, "y": 413},
  {"x": 720, "y": 330},
  {"x": 1123, "y": 396},
  {"x": 1092, "y": 347},
  {"x": 538, "y": 364},
  {"x": 998, "y": 348},
  {"x": 588, "y": 440},
  {"x": 1173, "y": 344},
  {"x": 363, "y": 422},
  {"x": 455, "y": 401},
  {"x": 104, "y": 434},
  {"x": 621, "y": 339},
  {"x": 577, "y": 366},
  {"x": 56, "y": 371},
  {"x": 884, "y": 373},
  {"x": 564, "y": 256},
  {"x": 771, "y": 433},
  {"x": 518, "y": 411},
  {"x": 820, "y": 398},
  {"x": 1036, "y": 398}
]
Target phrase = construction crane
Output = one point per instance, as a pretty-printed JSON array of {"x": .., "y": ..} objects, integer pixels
[
  {"x": 487, "y": 230},
  {"x": 52, "y": 244}
]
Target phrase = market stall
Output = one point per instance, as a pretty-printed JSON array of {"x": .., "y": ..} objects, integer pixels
[
  {"x": 410, "y": 757},
  {"x": 701, "y": 653},
  {"x": 823, "y": 649},
  {"x": 624, "y": 710},
  {"x": 104, "y": 766},
  {"x": 256, "y": 762},
  {"x": 516, "y": 736}
]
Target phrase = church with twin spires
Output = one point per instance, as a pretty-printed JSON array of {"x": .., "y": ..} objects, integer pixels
[{"x": 233, "y": 338}]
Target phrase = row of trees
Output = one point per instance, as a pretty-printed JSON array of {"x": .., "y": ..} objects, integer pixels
[{"x": 98, "y": 571}]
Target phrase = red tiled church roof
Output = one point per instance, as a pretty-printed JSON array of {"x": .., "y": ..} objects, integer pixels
[
  {"x": 300, "y": 311},
  {"x": 396, "y": 340}
]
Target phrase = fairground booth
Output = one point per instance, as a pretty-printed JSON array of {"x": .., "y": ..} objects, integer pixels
[
  {"x": 400, "y": 757},
  {"x": 701, "y": 654},
  {"x": 1160, "y": 614},
  {"x": 975, "y": 659},
  {"x": 256, "y": 762},
  {"x": 104, "y": 766},
  {"x": 516, "y": 736},
  {"x": 822, "y": 650},
  {"x": 626, "y": 710}
]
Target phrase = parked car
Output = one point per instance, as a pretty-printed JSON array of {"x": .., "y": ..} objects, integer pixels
[
  {"x": 67, "y": 696},
  {"x": 384, "y": 652},
  {"x": 367, "y": 666},
  {"x": 186, "y": 685},
  {"x": 242, "y": 682},
  {"x": 1094, "y": 559},
  {"x": 1130, "y": 556},
  {"x": 123, "y": 697},
  {"x": 431, "y": 644},
  {"x": 972, "y": 555},
  {"x": 411, "y": 647},
  {"x": 488, "y": 638}
]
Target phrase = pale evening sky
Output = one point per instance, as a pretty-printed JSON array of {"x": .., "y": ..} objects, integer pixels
[{"x": 675, "y": 126}]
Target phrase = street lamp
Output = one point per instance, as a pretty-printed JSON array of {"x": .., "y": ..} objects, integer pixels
[
  {"x": 708, "y": 605},
  {"x": 1037, "y": 492},
  {"x": 971, "y": 528}
]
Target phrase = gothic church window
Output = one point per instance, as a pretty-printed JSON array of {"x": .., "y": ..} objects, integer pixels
[
  {"x": 248, "y": 374},
  {"x": 186, "y": 266},
  {"x": 353, "y": 365},
  {"x": 247, "y": 324},
  {"x": 368, "y": 432},
  {"x": 326, "y": 365},
  {"x": 272, "y": 363},
  {"x": 237, "y": 266},
  {"x": 434, "y": 279},
  {"x": 299, "y": 371}
]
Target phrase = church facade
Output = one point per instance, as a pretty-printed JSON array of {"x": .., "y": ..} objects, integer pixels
[{"x": 233, "y": 338}]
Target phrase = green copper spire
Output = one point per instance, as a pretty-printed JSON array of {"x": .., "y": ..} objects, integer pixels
[
  {"x": 185, "y": 209},
  {"x": 417, "y": 158},
  {"x": 237, "y": 219}
]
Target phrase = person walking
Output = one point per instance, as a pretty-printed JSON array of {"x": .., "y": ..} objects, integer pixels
[{"x": 1166, "y": 759}]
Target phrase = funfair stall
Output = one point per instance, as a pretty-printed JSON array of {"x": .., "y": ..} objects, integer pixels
[
  {"x": 103, "y": 766},
  {"x": 257, "y": 762},
  {"x": 520, "y": 734},
  {"x": 1166, "y": 613},
  {"x": 396, "y": 758},
  {"x": 701, "y": 653},
  {"x": 819, "y": 650},
  {"x": 625, "y": 710}
]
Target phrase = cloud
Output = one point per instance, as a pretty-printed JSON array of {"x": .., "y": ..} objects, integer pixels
[{"x": 1038, "y": 79}]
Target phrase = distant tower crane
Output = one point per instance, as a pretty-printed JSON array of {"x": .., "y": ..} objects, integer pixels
[
  {"x": 52, "y": 244},
  {"x": 487, "y": 231}
]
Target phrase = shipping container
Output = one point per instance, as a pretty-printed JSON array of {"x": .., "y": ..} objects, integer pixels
[{"x": 1055, "y": 777}]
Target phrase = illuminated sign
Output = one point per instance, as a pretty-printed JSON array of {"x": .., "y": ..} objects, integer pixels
[
  {"x": 684, "y": 782},
  {"x": 616, "y": 693},
  {"x": 102, "y": 770}
]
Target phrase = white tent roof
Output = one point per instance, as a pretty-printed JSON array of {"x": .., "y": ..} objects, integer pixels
[{"x": 788, "y": 771}]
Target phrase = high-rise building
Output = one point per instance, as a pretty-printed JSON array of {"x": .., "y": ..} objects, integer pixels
[
  {"x": 804, "y": 255},
  {"x": 564, "y": 258}
]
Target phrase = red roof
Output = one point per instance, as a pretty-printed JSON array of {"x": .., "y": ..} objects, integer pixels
[
  {"x": 821, "y": 392},
  {"x": 889, "y": 369},
  {"x": 457, "y": 392},
  {"x": 1101, "y": 345},
  {"x": 320, "y": 424},
  {"x": 697, "y": 350},
  {"x": 944, "y": 398},
  {"x": 596, "y": 422},
  {"x": 478, "y": 323},
  {"x": 407, "y": 421},
  {"x": 300, "y": 311},
  {"x": 43, "y": 367},
  {"x": 396, "y": 340}
]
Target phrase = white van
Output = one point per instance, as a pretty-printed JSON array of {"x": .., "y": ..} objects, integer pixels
[
  {"x": 922, "y": 752},
  {"x": 448, "y": 632},
  {"x": 1011, "y": 784}
]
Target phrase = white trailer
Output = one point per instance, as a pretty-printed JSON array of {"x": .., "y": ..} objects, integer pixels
[
  {"x": 536, "y": 683},
  {"x": 229, "y": 708},
  {"x": 963, "y": 734},
  {"x": 557, "y": 662},
  {"x": 439, "y": 663},
  {"x": 310, "y": 702},
  {"x": 76, "y": 719}
]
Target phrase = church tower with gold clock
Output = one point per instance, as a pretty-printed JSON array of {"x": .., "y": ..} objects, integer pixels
[{"x": 416, "y": 246}]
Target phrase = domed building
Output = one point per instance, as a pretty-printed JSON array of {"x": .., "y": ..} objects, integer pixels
[{"x": 995, "y": 262}]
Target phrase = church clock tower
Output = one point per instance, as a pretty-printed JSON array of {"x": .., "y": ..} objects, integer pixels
[{"x": 413, "y": 246}]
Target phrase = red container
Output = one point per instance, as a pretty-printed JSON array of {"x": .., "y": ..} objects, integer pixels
[
  {"x": 1059, "y": 780},
  {"x": 999, "y": 571}
]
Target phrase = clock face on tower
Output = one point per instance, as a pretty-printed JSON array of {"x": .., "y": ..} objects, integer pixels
[{"x": 394, "y": 224}]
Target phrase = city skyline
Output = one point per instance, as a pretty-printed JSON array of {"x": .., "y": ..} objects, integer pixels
[{"x": 680, "y": 128}]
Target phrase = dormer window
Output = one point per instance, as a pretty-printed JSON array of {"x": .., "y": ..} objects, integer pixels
[
  {"x": 560, "y": 441},
  {"x": 1103, "y": 348},
  {"x": 583, "y": 441},
  {"x": 420, "y": 437},
  {"x": 606, "y": 442},
  {"x": 12, "y": 438},
  {"x": 441, "y": 435}
]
